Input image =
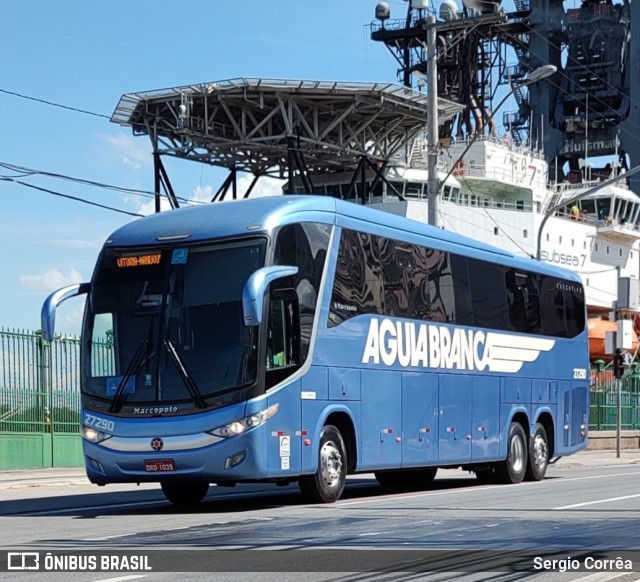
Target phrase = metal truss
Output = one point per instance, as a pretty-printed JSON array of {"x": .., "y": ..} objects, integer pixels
[{"x": 276, "y": 127}]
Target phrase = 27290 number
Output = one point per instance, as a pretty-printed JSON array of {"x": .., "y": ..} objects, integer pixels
[{"x": 99, "y": 422}]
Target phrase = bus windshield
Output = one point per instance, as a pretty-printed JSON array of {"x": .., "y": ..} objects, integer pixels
[{"x": 166, "y": 326}]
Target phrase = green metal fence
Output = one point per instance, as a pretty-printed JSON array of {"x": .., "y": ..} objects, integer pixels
[
  {"x": 39, "y": 401},
  {"x": 603, "y": 413}
]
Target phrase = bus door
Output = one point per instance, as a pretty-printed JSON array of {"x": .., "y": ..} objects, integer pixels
[
  {"x": 419, "y": 419},
  {"x": 454, "y": 429}
]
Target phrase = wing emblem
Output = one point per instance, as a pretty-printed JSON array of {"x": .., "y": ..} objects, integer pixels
[{"x": 507, "y": 353}]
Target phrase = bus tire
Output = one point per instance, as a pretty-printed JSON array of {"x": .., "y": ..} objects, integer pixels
[
  {"x": 327, "y": 483},
  {"x": 185, "y": 493},
  {"x": 514, "y": 467},
  {"x": 407, "y": 480},
  {"x": 538, "y": 455}
]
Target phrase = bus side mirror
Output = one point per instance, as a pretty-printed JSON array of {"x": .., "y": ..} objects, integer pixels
[
  {"x": 48, "y": 313},
  {"x": 256, "y": 287}
]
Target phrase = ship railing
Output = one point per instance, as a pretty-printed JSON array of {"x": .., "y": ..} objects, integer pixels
[
  {"x": 488, "y": 202},
  {"x": 593, "y": 220},
  {"x": 498, "y": 174},
  {"x": 573, "y": 186}
]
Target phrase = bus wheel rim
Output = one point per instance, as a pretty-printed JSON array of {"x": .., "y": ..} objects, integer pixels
[
  {"x": 517, "y": 454},
  {"x": 331, "y": 464},
  {"x": 539, "y": 452}
]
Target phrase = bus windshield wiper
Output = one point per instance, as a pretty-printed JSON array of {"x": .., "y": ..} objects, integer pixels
[
  {"x": 186, "y": 377},
  {"x": 142, "y": 355}
]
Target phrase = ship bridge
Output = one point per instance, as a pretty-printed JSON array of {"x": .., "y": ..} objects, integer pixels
[{"x": 279, "y": 128}]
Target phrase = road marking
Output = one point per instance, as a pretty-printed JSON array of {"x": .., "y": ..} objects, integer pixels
[
  {"x": 377, "y": 499},
  {"x": 602, "y": 577},
  {"x": 596, "y": 502}
]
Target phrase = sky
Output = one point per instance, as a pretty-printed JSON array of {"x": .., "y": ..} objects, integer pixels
[{"x": 85, "y": 56}]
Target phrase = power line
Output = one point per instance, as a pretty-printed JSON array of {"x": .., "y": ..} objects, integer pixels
[
  {"x": 68, "y": 196},
  {"x": 45, "y": 102}
]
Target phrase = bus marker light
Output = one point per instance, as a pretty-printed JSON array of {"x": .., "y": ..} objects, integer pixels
[
  {"x": 307, "y": 442},
  {"x": 398, "y": 439},
  {"x": 425, "y": 429},
  {"x": 451, "y": 429}
]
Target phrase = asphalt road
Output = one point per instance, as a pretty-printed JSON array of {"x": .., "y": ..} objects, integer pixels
[{"x": 577, "y": 511}]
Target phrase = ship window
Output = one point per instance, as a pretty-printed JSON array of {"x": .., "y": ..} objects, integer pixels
[
  {"x": 447, "y": 193},
  {"x": 573, "y": 243},
  {"x": 547, "y": 238},
  {"x": 525, "y": 233},
  {"x": 588, "y": 206},
  {"x": 620, "y": 251},
  {"x": 495, "y": 230},
  {"x": 560, "y": 239},
  {"x": 607, "y": 249},
  {"x": 596, "y": 247}
]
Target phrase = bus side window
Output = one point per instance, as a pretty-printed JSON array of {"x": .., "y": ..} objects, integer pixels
[{"x": 283, "y": 335}]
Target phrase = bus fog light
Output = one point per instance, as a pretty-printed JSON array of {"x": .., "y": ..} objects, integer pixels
[
  {"x": 95, "y": 465},
  {"x": 235, "y": 460}
]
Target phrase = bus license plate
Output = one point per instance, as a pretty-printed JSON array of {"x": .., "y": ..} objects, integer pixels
[{"x": 159, "y": 466}]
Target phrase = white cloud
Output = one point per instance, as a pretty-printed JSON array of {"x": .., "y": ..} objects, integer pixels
[
  {"x": 264, "y": 187},
  {"x": 131, "y": 151},
  {"x": 50, "y": 280},
  {"x": 203, "y": 193},
  {"x": 149, "y": 207}
]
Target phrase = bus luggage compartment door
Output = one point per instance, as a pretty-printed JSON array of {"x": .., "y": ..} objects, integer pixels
[
  {"x": 455, "y": 418},
  {"x": 381, "y": 420},
  {"x": 419, "y": 419}
]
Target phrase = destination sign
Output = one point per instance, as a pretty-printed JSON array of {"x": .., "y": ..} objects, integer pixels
[{"x": 139, "y": 260}]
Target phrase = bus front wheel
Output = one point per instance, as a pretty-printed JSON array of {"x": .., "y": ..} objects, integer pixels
[
  {"x": 538, "y": 455},
  {"x": 190, "y": 493},
  {"x": 514, "y": 467},
  {"x": 327, "y": 483}
]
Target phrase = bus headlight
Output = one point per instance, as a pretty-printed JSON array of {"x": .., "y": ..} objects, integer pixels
[
  {"x": 244, "y": 424},
  {"x": 93, "y": 435}
]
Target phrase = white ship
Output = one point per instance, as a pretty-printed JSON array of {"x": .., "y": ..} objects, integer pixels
[{"x": 499, "y": 193}]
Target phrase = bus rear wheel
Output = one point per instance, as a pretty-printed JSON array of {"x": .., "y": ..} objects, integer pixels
[
  {"x": 514, "y": 467},
  {"x": 538, "y": 455},
  {"x": 408, "y": 480},
  {"x": 186, "y": 493},
  {"x": 327, "y": 483}
]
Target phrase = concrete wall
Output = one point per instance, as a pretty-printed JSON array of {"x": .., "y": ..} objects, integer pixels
[{"x": 606, "y": 439}]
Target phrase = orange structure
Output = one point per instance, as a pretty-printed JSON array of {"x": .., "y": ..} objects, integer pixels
[{"x": 597, "y": 329}]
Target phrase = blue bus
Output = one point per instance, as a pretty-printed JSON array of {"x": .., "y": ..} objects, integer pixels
[{"x": 305, "y": 338}]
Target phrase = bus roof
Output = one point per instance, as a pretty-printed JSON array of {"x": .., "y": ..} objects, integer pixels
[{"x": 222, "y": 220}]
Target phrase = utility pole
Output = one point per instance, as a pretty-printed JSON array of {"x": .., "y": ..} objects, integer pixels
[{"x": 433, "y": 187}]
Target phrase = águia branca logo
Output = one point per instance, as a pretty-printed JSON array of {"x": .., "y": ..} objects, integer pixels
[{"x": 434, "y": 346}]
